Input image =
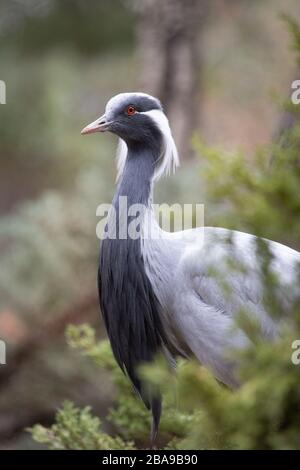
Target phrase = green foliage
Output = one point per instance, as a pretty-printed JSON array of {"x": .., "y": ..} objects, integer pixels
[
  {"x": 128, "y": 415},
  {"x": 294, "y": 30},
  {"x": 259, "y": 195},
  {"x": 264, "y": 413},
  {"x": 77, "y": 429}
]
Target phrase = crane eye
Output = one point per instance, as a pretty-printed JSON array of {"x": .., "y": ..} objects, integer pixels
[{"x": 130, "y": 110}]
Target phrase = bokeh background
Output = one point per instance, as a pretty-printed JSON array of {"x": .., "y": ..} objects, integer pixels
[{"x": 220, "y": 68}]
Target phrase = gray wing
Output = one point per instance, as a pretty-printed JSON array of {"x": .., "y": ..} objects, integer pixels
[
  {"x": 203, "y": 282},
  {"x": 227, "y": 274},
  {"x": 217, "y": 281}
]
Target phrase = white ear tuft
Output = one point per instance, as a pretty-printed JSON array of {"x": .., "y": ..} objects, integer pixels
[
  {"x": 121, "y": 157},
  {"x": 168, "y": 160}
]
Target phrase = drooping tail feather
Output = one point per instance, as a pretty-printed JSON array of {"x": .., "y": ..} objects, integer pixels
[{"x": 156, "y": 413}]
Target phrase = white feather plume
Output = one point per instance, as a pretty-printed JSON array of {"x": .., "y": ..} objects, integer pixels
[
  {"x": 121, "y": 157},
  {"x": 168, "y": 160}
]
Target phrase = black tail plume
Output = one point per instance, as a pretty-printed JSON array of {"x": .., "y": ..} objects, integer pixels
[{"x": 156, "y": 413}]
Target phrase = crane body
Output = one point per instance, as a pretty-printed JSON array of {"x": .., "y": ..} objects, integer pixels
[{"x": 166, "y": 293}]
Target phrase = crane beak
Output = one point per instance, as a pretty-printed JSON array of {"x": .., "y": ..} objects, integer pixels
[{"x": 100, "y": 125}]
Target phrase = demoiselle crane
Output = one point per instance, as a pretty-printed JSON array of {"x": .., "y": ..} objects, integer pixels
[{"x": 158, "y": 293}]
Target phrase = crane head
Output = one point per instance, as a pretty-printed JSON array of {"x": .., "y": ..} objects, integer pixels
[
  {"x": 126, "y": 115},
  {"x": 138, "y": 120}
]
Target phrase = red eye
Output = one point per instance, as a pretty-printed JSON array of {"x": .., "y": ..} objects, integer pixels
[{"x": 130, "y": 110}]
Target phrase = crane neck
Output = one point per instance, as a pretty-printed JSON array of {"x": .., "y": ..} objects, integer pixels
[
  {"x": 129, "y": 305},
  {"x": 136, "y": 182}
]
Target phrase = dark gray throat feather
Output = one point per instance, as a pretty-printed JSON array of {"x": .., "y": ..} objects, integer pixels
[{"x": 128, "y": 303}]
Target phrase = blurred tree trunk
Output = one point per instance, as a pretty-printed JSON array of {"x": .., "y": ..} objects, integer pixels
[{"x": 169, "y": 37}]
